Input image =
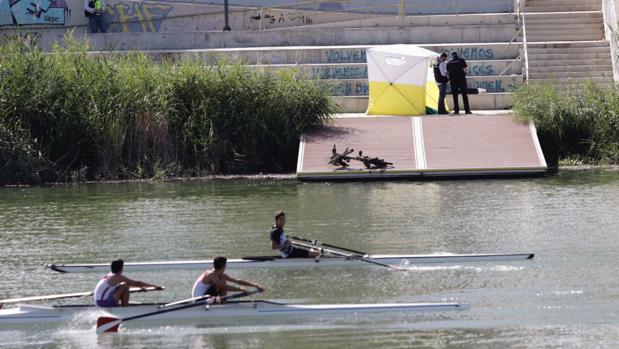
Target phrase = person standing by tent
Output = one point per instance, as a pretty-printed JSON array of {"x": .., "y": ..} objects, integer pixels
[
  {"x": 440, "y": 76},
  {"x": 457, "y": 79},
  {"x": 93, "y": 9}
]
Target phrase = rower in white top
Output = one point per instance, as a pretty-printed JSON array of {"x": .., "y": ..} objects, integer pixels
[
  {"x": 114, "y": 287},
  {"x": 280, "y": 241},
  {"x": 214, "y": 282}
]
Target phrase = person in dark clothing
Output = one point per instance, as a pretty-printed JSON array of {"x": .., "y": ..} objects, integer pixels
[
  {"x": 440, "y": 76},
  {"x": 457, "y": 79},
  {"x": 280, "y": 242}
]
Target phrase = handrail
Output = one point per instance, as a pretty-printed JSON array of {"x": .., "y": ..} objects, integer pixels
[{"x": 524, "y": 45}]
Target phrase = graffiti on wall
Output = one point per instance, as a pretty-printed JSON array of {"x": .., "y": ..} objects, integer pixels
[
  {"x": 345, "y": 56},
  {"x": 339, "y": 72},
  {"x": 472, "y": 52},
  {"x": 33, "y": 12},
  {"x": 295, "y": 18},
  {"x": 130, "y": 17}
]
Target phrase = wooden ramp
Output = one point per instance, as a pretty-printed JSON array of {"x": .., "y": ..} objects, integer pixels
[{"x": 424, "y": 146}]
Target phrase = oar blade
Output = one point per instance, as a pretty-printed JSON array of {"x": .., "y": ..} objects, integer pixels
[{"x": 107, "y": 324}]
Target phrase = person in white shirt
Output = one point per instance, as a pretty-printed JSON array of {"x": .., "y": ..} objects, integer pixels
[{"x": 114, "y": 287}]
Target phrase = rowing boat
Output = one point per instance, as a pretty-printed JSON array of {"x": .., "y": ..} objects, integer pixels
[
  {"x": 276, "y": 262},
  {"x": 49, "y": 314}
]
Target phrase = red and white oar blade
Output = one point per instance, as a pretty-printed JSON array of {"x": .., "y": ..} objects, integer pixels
[{"x": 107, "y": 324}]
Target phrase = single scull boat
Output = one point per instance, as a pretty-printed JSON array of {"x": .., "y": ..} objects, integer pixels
[{"x": 276, "y": 262}]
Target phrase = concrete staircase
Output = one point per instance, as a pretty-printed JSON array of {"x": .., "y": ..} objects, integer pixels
[
  {"x": 569, "y": 64},
  {"x": 566, "y": 44},
  {"x": 564, "y": 26},
  {"x": 562, "y": 5}
]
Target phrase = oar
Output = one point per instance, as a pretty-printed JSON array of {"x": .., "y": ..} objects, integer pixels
[
  {"x": 69, "y": 295},
  {"x": 110, "y": 324},
  {"x": 350, "y": 256},
  {"x": 328, "y": 245}
]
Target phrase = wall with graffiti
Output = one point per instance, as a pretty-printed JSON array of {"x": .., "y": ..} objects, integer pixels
[
  {"x": 37, "y": 12},
  {"x": 207, "y": 15}
]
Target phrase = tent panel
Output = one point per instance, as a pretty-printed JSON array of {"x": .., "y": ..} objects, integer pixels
[
  {"x": 404, "y": 69},
  {"x": 396, "y": 99}
]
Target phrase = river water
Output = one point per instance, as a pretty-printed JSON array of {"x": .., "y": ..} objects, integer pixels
[{"x": 566, "y": 297}]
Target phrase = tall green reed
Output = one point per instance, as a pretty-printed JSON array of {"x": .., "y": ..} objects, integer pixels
[
  {"x": 581, "y": 123},
  {"x": 126, "y": 116}
]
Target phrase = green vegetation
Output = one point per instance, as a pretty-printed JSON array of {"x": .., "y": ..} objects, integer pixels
[
  {"x": 581, "y": 125},
  {"x": 68, "y": 115}
]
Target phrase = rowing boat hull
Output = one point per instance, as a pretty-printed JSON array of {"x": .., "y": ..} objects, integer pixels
[
  {"x": 37, "y": 314},
  {"x": 276, "y": 262}
]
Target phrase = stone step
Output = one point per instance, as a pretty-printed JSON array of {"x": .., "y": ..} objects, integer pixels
[
  {"x": 563, "y": 37},
  {"x": 582, "y": 55},
  {"x": 550, "y": 31},
  {"x": 569, "y": 45},
  {"x": 565, "y": 27},
  {"x": 562, "y": 2},
  {"x": 360, "y": 87},
  {"x": 565, "y": 14},
  {"x": 572, "y": 81},
  {"x": 557, "y": 63},
  {"x": 322, "y": 54},
  {"x": 579, "y": 68},
  {"x": 566, "y": 8},
  {"x": 534, "y": 3},
  {"x": 487, "y": 101},
  {"x": 564, "y": 17},
  {"x": 563, "y": 50},
  {"x": 567, "y": 74}
]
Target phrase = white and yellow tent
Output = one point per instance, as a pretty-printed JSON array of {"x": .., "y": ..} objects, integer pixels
[{"x": 401, "y": 80}]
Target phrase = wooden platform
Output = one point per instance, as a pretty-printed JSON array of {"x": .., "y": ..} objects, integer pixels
[{"x": 426, "y": 146}]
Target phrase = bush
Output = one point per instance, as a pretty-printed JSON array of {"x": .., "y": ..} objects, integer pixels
[
  {"x": 125, "y": 116},
  {"x": 582, "y": 123}
]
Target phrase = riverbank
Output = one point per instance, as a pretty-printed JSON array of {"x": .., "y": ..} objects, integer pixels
[
  {"x": 283, "y": 177},
  {"x": 68, "y": 116}
]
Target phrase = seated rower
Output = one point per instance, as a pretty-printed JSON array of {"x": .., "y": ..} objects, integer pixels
[
  {"x": 279, "y": 240},
  {"x": 114, "y": 287},
  {"x": 214, "y": 282}
]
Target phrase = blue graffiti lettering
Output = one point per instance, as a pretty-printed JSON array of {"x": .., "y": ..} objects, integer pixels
[
  {"x": 472, "y": 52},
  {"x": 481, "y": 69},
  {"x": 357, "y": 88},
  {"x": 346, "y": 56},
  {"x": 339, "y": 72},
  {"x": 489, "y": 85}
]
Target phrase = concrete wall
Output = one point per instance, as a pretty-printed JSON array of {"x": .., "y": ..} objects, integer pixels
[
  {"x": 175, "y": 15},
  {"x": 410, "y": 7}
]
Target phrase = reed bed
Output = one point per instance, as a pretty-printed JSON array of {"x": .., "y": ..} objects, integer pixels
[
  {"x": 69, "y": 115},
  {"x": 578, "y": 125}
]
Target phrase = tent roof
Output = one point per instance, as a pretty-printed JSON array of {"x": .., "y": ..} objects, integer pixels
[{"x": 405, "y": 50}]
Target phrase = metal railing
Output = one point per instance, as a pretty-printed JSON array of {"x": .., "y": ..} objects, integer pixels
[
  {"x": 525, "y": 48},
  {"x": 519, "y": 6},
  {"x": 517, "y": 59}
]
